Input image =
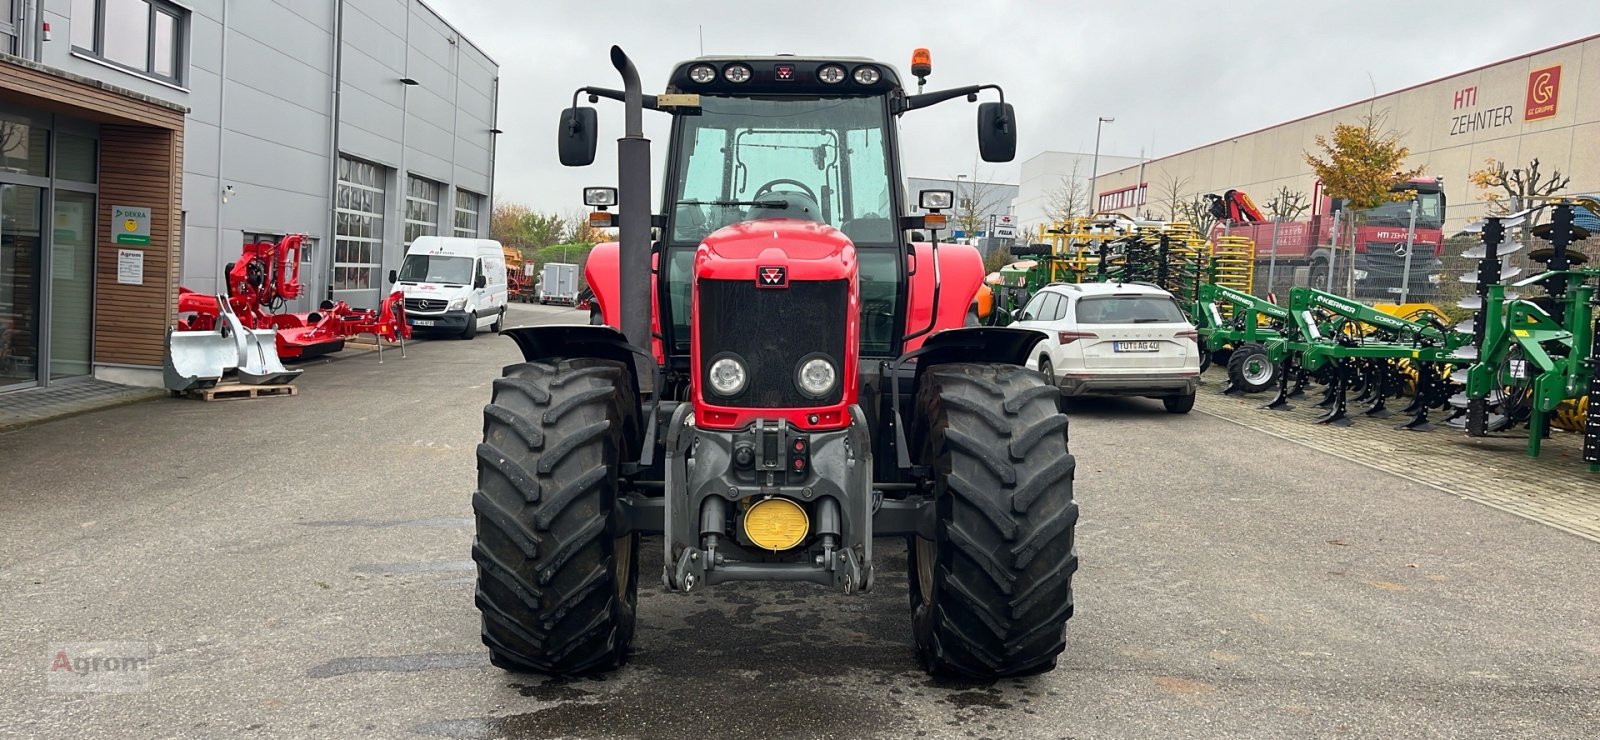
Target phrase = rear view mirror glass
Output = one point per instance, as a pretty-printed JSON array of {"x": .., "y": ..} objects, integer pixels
[
  {"x": 578, "y": 136},
  {"x": 997, "y": 132}
]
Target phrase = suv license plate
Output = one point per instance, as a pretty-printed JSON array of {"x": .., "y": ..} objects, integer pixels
[
  {"x": 422, "y": 322},
  {"x": 1134, "y": 347}
]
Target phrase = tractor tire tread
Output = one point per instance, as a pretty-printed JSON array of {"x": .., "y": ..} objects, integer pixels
[
  {"x": 1004, "y": 571},
  {"x": 547, "y": 586}
]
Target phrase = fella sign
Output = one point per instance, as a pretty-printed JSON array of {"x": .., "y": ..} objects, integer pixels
[{"x": 1544, "y": 90}]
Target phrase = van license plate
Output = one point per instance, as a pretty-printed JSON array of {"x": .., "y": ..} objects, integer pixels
[
  {"x": 422, "y": 322},
  {"x": 1134, "y": 346}
]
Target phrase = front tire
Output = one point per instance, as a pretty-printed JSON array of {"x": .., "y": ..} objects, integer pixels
[
  {"x": 1252, "y": 369},
  {"x": 557, "y": 578},
  {"x": 992, "y": 592},
  {"x": 471, "y": 329}
]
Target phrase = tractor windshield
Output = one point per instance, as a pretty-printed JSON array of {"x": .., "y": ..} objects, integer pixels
[{"x": 820, "y": 159}]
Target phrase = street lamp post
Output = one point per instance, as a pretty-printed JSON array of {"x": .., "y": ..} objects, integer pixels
[
  {"x": 961, "y": 209},
  {"x": 1094, "y": 168}
]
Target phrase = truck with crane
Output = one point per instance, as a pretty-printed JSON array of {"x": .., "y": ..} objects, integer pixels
[{"x": 1380, "y": 239}]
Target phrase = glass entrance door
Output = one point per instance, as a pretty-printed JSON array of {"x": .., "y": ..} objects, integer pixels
[
  {"x": 71, "y": 284},
  {"x": 20, "y": 259}
]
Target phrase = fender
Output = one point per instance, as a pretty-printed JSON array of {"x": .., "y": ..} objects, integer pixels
[
  {"x": 991, "y": 344},
  {"x": 571, "y": 341}
]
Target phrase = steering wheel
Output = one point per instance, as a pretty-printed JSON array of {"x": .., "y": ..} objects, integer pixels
[{"x": 769, "y": 188}]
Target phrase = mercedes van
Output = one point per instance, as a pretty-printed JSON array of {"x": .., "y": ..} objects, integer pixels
[{"x": 453, "y": 285}]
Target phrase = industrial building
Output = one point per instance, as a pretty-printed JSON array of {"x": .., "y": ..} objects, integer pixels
[
  {"x": 157, "y": 137},
  {"x": 1047, "y": 174},
  {"x": 1514, "y": 111}
]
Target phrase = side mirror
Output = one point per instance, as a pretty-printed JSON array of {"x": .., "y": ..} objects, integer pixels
[
  {"x": 578, "y": 136},
  {"x": 997, "y": 132},
  {"x": 1016, "y": 314},
  {"x": 394, "y": 277},
  {"x": 480, "y": 281}
]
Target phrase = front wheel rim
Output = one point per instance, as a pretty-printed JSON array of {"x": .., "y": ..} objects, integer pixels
[{"x": 1257, "y": 370}]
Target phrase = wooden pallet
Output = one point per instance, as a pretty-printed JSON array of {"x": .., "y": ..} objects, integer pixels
[{"x": 233, "y": 391}]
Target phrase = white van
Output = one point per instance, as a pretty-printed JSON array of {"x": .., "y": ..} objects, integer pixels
[{"x": 453, "y": 285}]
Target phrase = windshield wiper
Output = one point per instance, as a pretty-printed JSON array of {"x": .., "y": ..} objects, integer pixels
[{"x": 779, "y": 204}]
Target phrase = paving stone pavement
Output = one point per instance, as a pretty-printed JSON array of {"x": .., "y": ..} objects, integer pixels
[
  {"x": 1555, "y": 489},
  {"x": 21, "y": 408}
]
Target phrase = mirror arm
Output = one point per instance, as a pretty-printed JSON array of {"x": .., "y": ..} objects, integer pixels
[
  {"x": 923, "y": 100},
  {"x": 596, "y": 93}
]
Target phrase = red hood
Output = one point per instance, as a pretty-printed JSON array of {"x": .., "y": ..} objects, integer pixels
[{"x": 810, "y": 251}]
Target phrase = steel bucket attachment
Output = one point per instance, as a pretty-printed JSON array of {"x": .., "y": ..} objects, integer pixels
[
  {"x": 198, "y": 359},
  {"x": 257, "y": 352}
]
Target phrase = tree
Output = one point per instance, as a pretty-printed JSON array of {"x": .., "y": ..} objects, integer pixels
[
  {"x": 1287, "y": 205},
  {"x": 1069, "y": 199},
  {"x": 1197, "y": 212},
  {"x": 1172, "y": 195},
  {"x": 993, "y": 261},
  {"x": 580, "y": 232},
  {"x": 1362, "y": 163},
  {"x": 518, "y": 226},
  {"x": 975, "y": 200},
  {"x": 1507, "y": 190},
  {"x": 505, "y": 224}
]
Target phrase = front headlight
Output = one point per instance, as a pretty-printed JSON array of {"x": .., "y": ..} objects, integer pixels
[
  {"x": 727, "y": 376},
  {"x": 816, "y": 377},
  {"x": 457, "y": 304}
]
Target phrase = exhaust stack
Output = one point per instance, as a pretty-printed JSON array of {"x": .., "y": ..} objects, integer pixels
[{"x": 633, "y": 213}]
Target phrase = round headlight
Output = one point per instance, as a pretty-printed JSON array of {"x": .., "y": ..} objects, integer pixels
[
  {"x": 831, "y": 74},
  {"x": 727, "y": 376},
  {"x": 817, "y": 377},
  {"x": 868, "y": 75},
  {"x": 703, "y": 74},
  {"x": 736, "y": 73}
]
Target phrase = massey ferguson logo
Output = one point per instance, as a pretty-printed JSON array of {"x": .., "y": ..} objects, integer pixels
[{"x": 772, "y": 277}]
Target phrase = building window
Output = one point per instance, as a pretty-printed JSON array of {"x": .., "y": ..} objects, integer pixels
[
  {"x": 145, "y": 36},
  {"x": 467, "y": 214},
  {"x": 358, "y": 235},
  {"x": 422, "y": 207},
  {"x": 308, "y": 244}
]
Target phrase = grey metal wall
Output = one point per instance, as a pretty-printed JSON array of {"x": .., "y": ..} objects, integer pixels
[{"x": 264, "y": 81}]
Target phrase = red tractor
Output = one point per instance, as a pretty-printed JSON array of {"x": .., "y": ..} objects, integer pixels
[
  {"x": 792, "y": 380},
  {"x": 260, "y": 284}
]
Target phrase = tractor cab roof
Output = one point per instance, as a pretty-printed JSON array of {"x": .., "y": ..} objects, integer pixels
[{"x": 778, "y": 75}]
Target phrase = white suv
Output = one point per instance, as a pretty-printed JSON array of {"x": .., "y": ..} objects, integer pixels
[{"x": 1114, "y": 339}]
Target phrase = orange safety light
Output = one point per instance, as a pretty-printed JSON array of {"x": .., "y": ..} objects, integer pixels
[
  {"x": 921, "y": 63},
  {"x": 934, "y": 221}
]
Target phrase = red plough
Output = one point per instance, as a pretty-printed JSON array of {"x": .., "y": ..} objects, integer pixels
[{"x": 264, "y": 280}]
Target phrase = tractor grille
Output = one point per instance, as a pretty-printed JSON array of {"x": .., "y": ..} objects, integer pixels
[
  {"x": 424, "y": 304},
  {"x": 772, "y": 329}
]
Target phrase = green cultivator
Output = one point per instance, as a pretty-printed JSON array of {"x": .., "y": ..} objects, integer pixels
[
  {"x": 1531, "y": 355},
  {"x": 1514, "y": 363}
]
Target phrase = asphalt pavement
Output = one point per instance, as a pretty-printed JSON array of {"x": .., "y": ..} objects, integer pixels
[{"x": 298, "y": 567}]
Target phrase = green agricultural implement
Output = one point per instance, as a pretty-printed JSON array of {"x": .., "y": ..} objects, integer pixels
[{"x": 1532, "y": 355}]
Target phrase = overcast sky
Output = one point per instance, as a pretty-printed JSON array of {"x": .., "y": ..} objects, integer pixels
[{"x": 1174, "y": 73}]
